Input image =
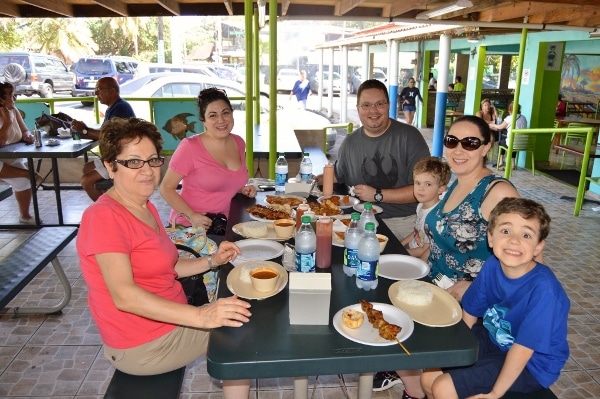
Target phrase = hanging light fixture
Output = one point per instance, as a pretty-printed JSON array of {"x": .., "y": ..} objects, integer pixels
[
  {"x": 456, "y": 6},
  {"x": 473, "y": 39}
]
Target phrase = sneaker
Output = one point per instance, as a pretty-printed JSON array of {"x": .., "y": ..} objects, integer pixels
[
  {"x": 405, "y": 395},
  {"x": 384, "y": 380},
  {"x": 30, "y": 221}
]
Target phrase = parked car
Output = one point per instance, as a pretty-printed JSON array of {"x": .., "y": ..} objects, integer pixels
[
  {"x": 169, "y": 84},
  {"x": 315, "y": 83},
  {"x": 358, "y": 77},
  {"x": 145, "y": 68},
  {"x": 35, "y": 73},
  {"x": 286, "y": 78},
  {"x": 88, "y": 70}
]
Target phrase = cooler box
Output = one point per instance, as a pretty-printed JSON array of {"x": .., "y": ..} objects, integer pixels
[{"x": 309, "y": 298}]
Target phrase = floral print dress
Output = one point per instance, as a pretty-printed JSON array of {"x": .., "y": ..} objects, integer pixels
[{"x": 459, "y": 245}]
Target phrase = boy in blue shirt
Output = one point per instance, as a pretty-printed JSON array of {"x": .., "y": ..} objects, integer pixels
[{"x": 523, "y": 338}]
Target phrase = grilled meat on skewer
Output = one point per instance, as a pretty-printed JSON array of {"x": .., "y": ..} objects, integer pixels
[{"x": 386, "y": 330}]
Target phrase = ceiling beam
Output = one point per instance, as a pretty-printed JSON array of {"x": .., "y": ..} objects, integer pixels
[
  {"x": 228, "y": 6},
  {"x": 55, "y": 6},
  {"x": 10, "y": 10},
  {"x": 347, "y": 5},
  {"x": 116, "y": 6},
  {"x": 400, "y": 7},
  {"x": 518, "y": 10},
  {"x": 285, "y": 5},
  {"x": 171, "y": 6},
  {"x": 573, "y": 14}
]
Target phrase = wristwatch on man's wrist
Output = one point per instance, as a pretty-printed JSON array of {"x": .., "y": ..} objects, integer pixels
[
  {"x": 378, "y": 195},
  {"x": 84, "y": 131}
]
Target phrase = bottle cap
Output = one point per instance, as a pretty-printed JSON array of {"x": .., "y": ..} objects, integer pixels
[
  {"x": 355, "y": 216},
  {"x": 368, "y": 205},
  {"x": 305, "y": 219},
  {"x": 370, "y": 226}
]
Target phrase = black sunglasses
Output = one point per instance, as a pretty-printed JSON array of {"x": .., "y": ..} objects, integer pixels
[{"x": 468, "y": 143}]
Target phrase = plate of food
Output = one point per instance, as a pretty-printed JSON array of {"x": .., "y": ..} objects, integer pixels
[
  {"x": 285, "y": 199},
  {"x": 425, "y": 303},
  {"x": 260, "y": 230},
  {"x": 342, "y": 201},
  {"x": 269, "y": 213},
  {"x": 326, "y": 208},
  {"x": 353, "y": 323},
  {"x": 239, "y": 283},
  {"x": 257, "y": 249},
  {"x": 361, "y": 207},
  {"x": 402, "y": 267}
]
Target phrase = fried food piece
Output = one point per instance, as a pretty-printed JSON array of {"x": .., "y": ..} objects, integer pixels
[
  {"x": 352, "y": 318},
  {"x": 265, "y": 212},
  {"x": 279, "y": 200},
  {"x": 340, "y": 234},
  {"x": 389, "y": 331},
  {"x": 327, "y": 208}
]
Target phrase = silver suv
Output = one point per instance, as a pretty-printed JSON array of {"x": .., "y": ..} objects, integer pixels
[{"x": 35, "y": 73}]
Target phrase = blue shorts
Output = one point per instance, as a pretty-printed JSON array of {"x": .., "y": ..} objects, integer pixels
[
  {"x": 481, "y": 376},
  {"x": 407, "y": 107}
]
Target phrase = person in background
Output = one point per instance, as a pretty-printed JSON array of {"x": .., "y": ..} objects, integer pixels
[
  {"x": 561, "y": 107},
  {"x": 431, "y": 176},
  {"x": 130, "y": 266},
  {"x": 504, "y": 128},
  {"x": 458, "y": 86},
  {"x": 301, "y": 89},
  {"x": 107, "y": 91},
  {"x": 432, "y": 82},
  {"x": 408, "y": 99},
  {"x": 14, "y": 171},
  {"x": 513, "y": 295},
  {"x": 488, "y": 113},
  {"x": 211, "y": 166}
]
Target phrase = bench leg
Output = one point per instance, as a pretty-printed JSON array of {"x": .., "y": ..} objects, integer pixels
[{"x": 52, "y": 309}]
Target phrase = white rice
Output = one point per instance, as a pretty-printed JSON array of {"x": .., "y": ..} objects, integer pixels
[
  {"x": 245, "y": 274},
  {"x": 255, "y": 229},
  {"x": 414, "y": 293}
]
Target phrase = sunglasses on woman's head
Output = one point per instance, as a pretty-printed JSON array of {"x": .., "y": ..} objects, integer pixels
[{"x": 468, "y": 143}]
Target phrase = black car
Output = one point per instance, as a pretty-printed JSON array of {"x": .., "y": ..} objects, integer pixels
[{"x": 35, "y": 73}]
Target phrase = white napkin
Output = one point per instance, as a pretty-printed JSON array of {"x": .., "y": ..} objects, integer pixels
[
  {"x": 63, "y": 132},
  {"x": 338, "y": 225},
  {"x": 443, "y": 281}
]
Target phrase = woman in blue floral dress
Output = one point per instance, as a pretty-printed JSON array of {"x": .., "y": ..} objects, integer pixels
[{"x": 457, "y": 226}]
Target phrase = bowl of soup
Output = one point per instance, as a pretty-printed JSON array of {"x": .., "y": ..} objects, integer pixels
[
  {"x": 264, "y": 279},
  {"x": 383, "y": 240},
  {"x": 284, "y": 228}
]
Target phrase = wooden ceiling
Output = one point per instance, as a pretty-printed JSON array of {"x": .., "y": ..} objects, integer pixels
[{"x": 539, "y": 14}]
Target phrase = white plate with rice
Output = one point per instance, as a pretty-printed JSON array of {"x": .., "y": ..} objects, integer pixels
[
  {"x": 257, "y": 249},
  {"x": 369, "y": 335},
  {"x": 239, "y": 283},
  {"x": 402, "y": 267},
  {"x": 361, "y": 207},
  {"x": 426, "y": 303},
  {"x": 259, "y": 230}
]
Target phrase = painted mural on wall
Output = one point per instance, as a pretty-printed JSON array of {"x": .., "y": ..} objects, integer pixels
[{"x": 580, "y": 78}]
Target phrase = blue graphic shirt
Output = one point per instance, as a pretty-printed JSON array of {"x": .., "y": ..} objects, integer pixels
[{"x": 531, "y": 310}]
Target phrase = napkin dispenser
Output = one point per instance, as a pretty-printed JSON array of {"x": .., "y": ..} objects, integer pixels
[
  {"x": 309, "y": 298},
  {"x": 299, "y": 188}
]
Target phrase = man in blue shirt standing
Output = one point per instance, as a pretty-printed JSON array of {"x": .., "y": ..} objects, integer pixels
[{"x": 301, "y": 89}]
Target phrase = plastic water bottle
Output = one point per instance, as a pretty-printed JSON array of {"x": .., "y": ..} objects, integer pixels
[
  {"x": 306, "y": 247},
  {"x": 351, "y": 240},
  {"x": 281, "y": 173},
  {"x": 368, "y": 259},
  {"x": 367, "y": 216},
  {"x": 305, "y": 168}
]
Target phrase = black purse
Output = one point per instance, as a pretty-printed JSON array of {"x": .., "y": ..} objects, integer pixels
[
  {"x": 51, "y": 123},
  {"x": 219, "y": 224},
  {"x": 193, "y": 286}
]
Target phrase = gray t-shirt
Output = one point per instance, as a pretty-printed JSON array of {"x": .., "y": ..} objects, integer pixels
[{"x": 382, "y": 162}]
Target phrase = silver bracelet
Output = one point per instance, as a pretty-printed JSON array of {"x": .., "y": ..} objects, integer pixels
[{"x": 210, "y": 264}]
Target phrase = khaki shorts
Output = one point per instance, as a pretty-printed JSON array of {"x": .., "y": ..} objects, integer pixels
[
  {"x": 179, "y": 348},
  {"x": 401, "y": 226}
]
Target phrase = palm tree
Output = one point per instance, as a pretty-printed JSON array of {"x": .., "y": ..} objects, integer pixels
[
  {"x": 571, "y": 67},
  {"x": 67, "y": 38}
]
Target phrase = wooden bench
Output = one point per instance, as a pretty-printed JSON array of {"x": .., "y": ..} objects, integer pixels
[
  {"x": 5, "y": 191},
  {"x": 161, "y": 386},
  {"x": 19, "y": 267}
]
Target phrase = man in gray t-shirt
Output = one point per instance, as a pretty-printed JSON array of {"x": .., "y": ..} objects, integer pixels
[{"x": 378, "y": 158}]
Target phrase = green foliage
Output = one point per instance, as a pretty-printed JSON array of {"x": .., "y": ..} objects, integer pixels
[{"x": 10, "y": 36}]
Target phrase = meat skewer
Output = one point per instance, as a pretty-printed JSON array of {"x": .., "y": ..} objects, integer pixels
[{"x": 386, "y": 330}]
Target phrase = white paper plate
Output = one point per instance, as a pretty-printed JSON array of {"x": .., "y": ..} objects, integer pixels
[
  {"x": 361, "y": 207},
  {"x": 367, "y": 334},
  {"x": 271, "y": 235},
  {"x": 256, "y": 249},
  {"x": 351, "y": 200},
  {"x": 402, "y": 267},
  {"x": 245, "y": 290},
  {"x": 443, "y": 311}
]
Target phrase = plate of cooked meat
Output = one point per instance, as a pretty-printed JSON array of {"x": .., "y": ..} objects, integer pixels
[
  {"x": 374, "y": 324},
  {"x": 285, "y": 199},
  {"x": 342, "y": 201},
  {"x": 269, "y": 213}
]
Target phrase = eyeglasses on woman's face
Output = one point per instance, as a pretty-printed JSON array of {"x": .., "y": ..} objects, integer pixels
[
  {"x": 468, "y": 143},
  {"x": 378, "y": 105},
  {"x": 155, "y": 162}
]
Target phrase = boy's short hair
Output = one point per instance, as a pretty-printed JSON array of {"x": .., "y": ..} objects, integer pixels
[
  {"x": 436, "y": 167},
  {"x": 526, "y": 208}
]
